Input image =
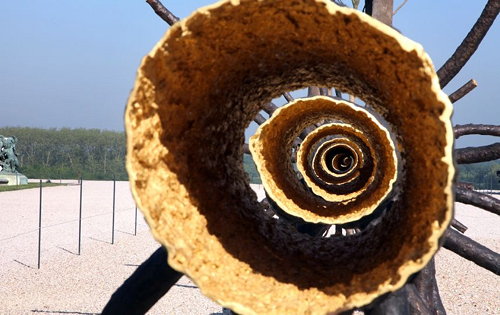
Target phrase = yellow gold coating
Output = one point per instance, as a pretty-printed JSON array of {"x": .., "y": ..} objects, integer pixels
[
  {"x": 321, "y": 164},
  {"x": 274, "y": 139},
  {"x": 198, "y": 90}
]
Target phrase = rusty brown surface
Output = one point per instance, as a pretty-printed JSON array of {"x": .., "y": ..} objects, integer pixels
[{"x": 185, "y": 153}]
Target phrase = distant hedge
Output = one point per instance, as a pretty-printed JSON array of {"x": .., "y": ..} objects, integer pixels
[
  {"x": 99, "y": 154},
  {"x": 70, "y": 153},
  {"x": 482, "y": 175}
]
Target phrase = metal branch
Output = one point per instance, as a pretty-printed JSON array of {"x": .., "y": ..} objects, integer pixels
[
  {"x": 472, "y": 250},
  {"x": 462, "y": 91},
  {"x": 269, "y": 108},
  {"x": 458, "y": 225},
  {"x": 399, "y": 7},
  {"x": 426, "y": 287},
  {"x": 478, "y": 154},
  {"x": 470, "y": 43},
  {"x": 305, "y": 132},
  {"x": 289, "y": 98},
  {"x": 394, "y": 303},
  {"x": 382, "y": 10},
  {"x": 259, "y": 119},
  {"x": 163, "y": 12},
  {"x": 477, "y": 199},
  {"x": 417, "y": 304},
  {"x": 325, "y": 91},
  {"x": 465, "y": 185},
  {"x": 313, "y": 91},
  {"x": 471, "y": 129},
  {"x": 149, "y": 282}
]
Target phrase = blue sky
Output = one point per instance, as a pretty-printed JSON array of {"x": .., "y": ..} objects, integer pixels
[{"x": 72, "y": 63}]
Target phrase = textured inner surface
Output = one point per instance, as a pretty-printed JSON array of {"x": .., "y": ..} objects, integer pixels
[
  {"x": 322, "y": 166},
  {"x": 334, "y": 204},
  {"x": 339, "y": 159},
  {"x": 195, "y": 94}
]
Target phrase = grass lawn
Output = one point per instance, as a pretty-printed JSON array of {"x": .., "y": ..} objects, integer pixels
[{"x": 28, "y": 186}]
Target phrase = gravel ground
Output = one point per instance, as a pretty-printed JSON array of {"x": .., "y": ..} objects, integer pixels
[{"x": 82, "y": 284}]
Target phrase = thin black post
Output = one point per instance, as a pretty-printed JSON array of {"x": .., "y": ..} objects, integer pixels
[
  {"x": 135, "y": 227},
  {"x": 40, "y": 225},
  {"x": 80, "y": 218},
  {"x": 113, "y": 224}
]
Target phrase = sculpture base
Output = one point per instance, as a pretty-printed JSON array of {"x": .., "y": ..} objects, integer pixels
[{"x": 13, "y": 179}]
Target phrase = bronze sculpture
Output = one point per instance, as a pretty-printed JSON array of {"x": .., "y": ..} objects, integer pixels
[{"x": 8, "y": 155}]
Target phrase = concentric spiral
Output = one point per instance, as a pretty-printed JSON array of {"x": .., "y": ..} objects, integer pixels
[
  {"x": 339, "y": 195},
  {"x": 199, "y": 89}
]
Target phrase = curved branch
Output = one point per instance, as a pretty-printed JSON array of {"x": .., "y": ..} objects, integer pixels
[
  {"x": 477, "y": 154},
  {"x": 149, "y": 282},
  {"x": 313, "y": 91},
  {"x": 480, "y": 200},
  {"x": 289, "y": 98},
  {"x": 462, "y": 91},
  {"x": 246, "y": 149},
  {"x": 269, "y": 108},
  {"x": 325, "y": 91},
  {"x": 163, "y": 12},
  {"x": 259, "y": 119},
  {"x": 397, "y": 302},
  {"x": 399, "y": 7},
  {"x": 471, "y": 129},
  {"x": 417, "y": 304},
  {"x": 472, "y": 250},
  {"x": 458, "y": 225},
  {"x": 470, "y": 43},
  {"x": 426, "y": 287}
]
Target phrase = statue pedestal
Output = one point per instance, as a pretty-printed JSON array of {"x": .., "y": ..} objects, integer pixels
[{"x": 13, "y": 179}]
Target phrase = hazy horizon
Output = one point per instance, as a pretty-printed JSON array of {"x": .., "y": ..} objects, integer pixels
[{"x": 72, "y": 64}]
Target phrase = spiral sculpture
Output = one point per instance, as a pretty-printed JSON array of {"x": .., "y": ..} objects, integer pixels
[
  {"x": 185, "y": 154},
  {"x": 350, "y": 166}
]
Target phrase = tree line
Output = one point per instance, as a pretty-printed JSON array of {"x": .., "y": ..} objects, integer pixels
[
  {"x": 70, "y": 153},
  {"x": 482, "y": 175},
  {"x": 73, "y": 153},
  {"x": 100, "y": 155}
]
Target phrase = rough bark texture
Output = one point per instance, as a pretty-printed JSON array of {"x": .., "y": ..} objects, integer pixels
[
  {"x": 458, "y": 225},
  {"x": 470, "y": 43},
  {"x": 471, "y": 250},
  {"x": 462, "y": 91},
  {"x": 426, "y": 286},
  {"x": 407, "y": 300},
  {"x": 473, "y": 129},
  {"x": 478, "y": 154},
  {"x": 417, "y": 304},
  {"x": 382, "y": 10},
  {"x": 396, "y": 303},
  {"x": 313, "y": 91},
  {"x": 151, "y": 280},
  {"x": 477, "y": 199}
]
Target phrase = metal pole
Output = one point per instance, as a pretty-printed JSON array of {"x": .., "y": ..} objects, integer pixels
[
  {"x": 80, "y": 218},
  {"x": 40, "y": 225},
  {"x": 113, "y": 224},
  {"x": 135, "y": 227},
  {"x": 491, "y": 181}
]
